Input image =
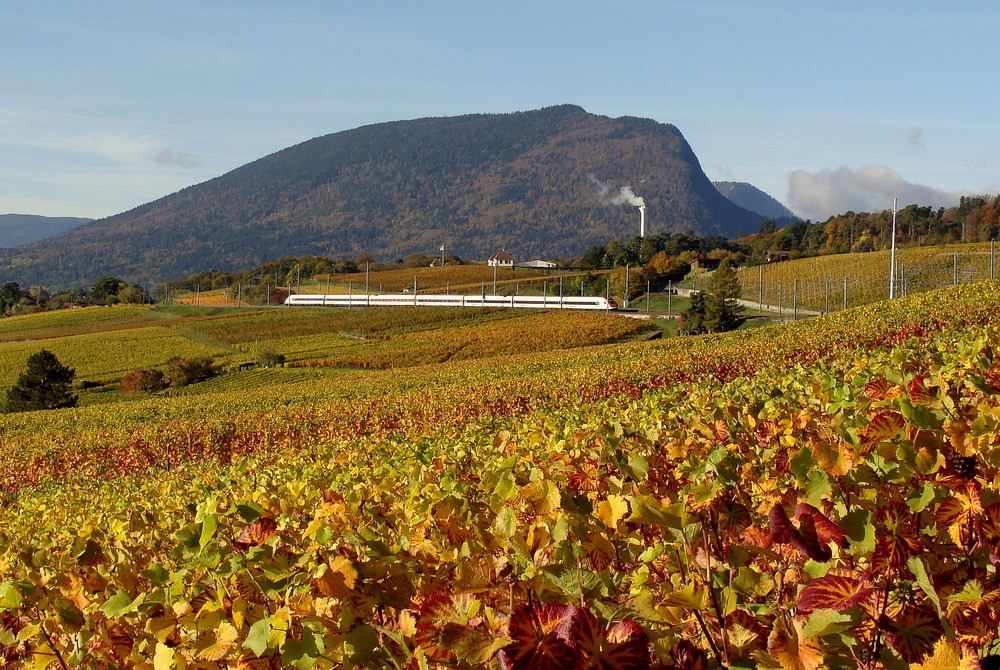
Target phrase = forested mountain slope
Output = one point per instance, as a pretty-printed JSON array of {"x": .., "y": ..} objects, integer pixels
[{"x": 524, "y": 181}]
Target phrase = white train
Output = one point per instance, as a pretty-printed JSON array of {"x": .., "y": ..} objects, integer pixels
[{"x": 436, "y": 300}]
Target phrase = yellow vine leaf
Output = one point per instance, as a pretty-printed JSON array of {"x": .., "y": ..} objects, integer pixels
[
  {"x": 612, "y": 510},
  {"x": 217, "y": 644},
  {"x": 945, "y": 656},
  {"x": 339, "y": 579},
  {"x": 786, "y": 646}
]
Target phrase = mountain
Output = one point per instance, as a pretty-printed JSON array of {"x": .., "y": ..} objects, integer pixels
[
  {"x": 523, "y": 181},
  {"x": 752, "y": 198},
  {"x": 18, "y": 229}
]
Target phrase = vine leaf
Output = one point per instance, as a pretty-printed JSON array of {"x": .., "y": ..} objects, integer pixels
[
  {"x": 557, "y": 637},
  {"x": 813, "y": 535},
  {"x": 881, "y": 389},
  {"x": 612, "y": 510},
  {"x": 883, "y": 426},
  {"x": 256, "y": 533},
  {"x": 974, "y": 613},
  {"x": 919, "y": 394},
  {"x": 338, "y": 580},
  {"x": 449, "y": 628},
  {"x": 791, "y": 649},
  {"x": 216, "y": 644},
  {"x": 624, "y": 647},
  {"x": 258, "y": 637},
  {"x": 686, "y": 656},
  {"x": 826, "y": 530},
  {"x": 836, "y": 592},
  {"x": 538, "y": 639},
  {"x": 833, "y": 456},
  {"x": 913, "y": 632}
]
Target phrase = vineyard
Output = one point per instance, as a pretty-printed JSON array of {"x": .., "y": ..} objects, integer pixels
[
  {"x": 826, "y": 283},
  {"x": 104, "y": 343},
  {"x": 819, "y": 494}
]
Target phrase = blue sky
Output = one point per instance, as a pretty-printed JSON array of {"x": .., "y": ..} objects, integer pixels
[{"x": 106, "y": 105}]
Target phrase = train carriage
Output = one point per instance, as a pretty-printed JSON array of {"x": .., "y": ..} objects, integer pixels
[{"x": 595, "y": 303}]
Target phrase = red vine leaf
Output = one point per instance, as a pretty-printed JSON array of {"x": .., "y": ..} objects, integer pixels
[
  {"x": 884, "y": 426},
  {"x": 805, "y": 538},
  {"x": 826, "y": 530},
  {"x": 686, "y": 656},
  {"x": 447, "y": 629},
  {"x": 833, "y": 592},
  {"x": 565, "y": 637},
  {"x": 256, "y": 533},
  {"x": 538, "y": 639},
  {"x": 913, "y": 632},
  {"x": 624, "y": 647},
  {"x": 919, "y": 393},
  {"x": 892, "y": 552},
  {"x": 881, "y": 389}
]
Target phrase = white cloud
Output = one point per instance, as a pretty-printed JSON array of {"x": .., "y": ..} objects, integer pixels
[
  {"x": 169, "y": 156},
  {"x": 818, "y": 196}
]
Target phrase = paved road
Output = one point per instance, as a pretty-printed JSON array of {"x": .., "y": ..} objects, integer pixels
[{"x": 753, "y": 304}]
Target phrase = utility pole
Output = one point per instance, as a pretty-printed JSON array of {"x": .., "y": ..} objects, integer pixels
[
  {"x": 760, "y": 287},
  {"x": 892, "y": 255}
]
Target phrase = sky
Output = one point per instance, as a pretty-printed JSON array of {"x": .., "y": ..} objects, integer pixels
[{"x": 828, "y": 107}]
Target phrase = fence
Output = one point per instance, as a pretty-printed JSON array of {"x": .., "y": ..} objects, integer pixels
[
  {"x": 765, "y": 288},
  {"x": 794, "y": 298},
  {"x": 947, "y": 270}
]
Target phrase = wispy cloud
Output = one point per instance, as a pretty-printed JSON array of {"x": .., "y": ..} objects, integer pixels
[
  {"x": 819, "y": 195},
  {"x": 171, "y": 157},
  {"x": 915, "y": 138}
]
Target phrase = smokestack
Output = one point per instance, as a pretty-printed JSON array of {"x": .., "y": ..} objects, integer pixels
[{"x": 642, "y": 220}]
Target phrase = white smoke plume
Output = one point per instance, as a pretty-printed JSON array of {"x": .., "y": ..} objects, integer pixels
[
  {"x": 625, "y": 196},
  {"x": 818, "y": 196}
]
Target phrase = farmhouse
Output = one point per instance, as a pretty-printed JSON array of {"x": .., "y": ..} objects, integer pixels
[
  {"x": 705, "y": 264},
  {"x": 501, "y": 259}
]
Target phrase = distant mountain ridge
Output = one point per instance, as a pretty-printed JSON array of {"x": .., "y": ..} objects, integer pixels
[
  {"x": 18, "y": 229},
  {"x": 473, "y": 183},
  {"x": 752, "y": 198}
]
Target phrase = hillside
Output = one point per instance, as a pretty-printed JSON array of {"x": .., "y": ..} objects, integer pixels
[
  {"x": 18, "y": 229},
  {"x": 831, "y": 483},
  {"x": 751, "y": 198},
  {"x": 524, "y": 181},
  {"x": 818, "y": 283}
]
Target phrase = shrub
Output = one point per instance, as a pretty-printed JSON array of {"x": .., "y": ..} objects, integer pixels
[
  {"x": 184, "y": 371},
  {"x": 269, "y": 358},
  {"x": 144, "y": 380}
]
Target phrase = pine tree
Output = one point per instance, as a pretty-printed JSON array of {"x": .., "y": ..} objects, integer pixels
[
  {"x": 45, "y": 384},
  {"x": 722, "y": 308},
  {"x": 693, "y": 318}
]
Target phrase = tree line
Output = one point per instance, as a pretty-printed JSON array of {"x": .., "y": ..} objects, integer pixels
[
  {"x": 975, "y": 219},
  {"x": 15, "y": 299}
]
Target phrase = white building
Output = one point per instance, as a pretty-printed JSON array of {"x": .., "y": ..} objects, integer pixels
[
  {"x": 537, "y": 264},
  {"x": 501, "y": 259}
]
